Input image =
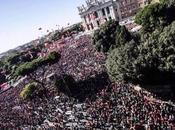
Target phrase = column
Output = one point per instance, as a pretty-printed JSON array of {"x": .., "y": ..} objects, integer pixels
[{"x": 118, "y": 10}]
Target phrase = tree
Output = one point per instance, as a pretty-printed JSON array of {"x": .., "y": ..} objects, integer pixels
[
  {"x": 32, "y": 90},
  {"x": 53, "y": 57},
  {"x": 109, "y": 36},
  {"x": 151, "y": 17},
  {"x": 152, "y": 61},
  {"x": 122, "y": 36},
  {"x": 159, "y": 49},
  {"x": 121, "y": 64},
  {"x": 28, "y": 67},
  {"x": 28, "y": 90},
  {"x": 168, "y": 3},
  {"x": 156, "y": 16}
]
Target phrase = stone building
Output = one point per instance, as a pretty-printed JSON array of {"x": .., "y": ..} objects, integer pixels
[{"x": 97, "y": 12}]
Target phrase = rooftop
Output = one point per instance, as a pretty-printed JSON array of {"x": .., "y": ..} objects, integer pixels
[{"x": 90, "y": 3}]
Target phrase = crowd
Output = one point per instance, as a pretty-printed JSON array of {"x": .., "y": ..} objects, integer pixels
[
  {"x": 78, "y": 59},
  {"x": 117, "y": 106}
]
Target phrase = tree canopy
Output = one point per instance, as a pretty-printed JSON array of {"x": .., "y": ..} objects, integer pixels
[
  {"x": 110, "y": 36},
  {"x": 28, "y": 90},
  {"x": 153, "y": 60},
  {"x": 156, "y": 16},
  {"x": 29, "y": 67}
]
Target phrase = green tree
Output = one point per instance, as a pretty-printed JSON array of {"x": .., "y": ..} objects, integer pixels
[
  {"x": 151, "y": 17},
  {"x": 121, "y": 64},
  {"x": 28, "y": 67},
  {"x": 110, "y": 35},
  {"x": 122, "y": 36},
  {"x": 152, "y": 61},
  {"x": 53, "y": 57},
  {"x": 32, "y": 90},
  {"x": 168, "y": 3},
  {"x": 156, "y": 16},
  {"x": 28, "y": 90}
]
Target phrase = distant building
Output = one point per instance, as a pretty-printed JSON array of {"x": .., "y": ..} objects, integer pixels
[{"x": 98, "y": 12}]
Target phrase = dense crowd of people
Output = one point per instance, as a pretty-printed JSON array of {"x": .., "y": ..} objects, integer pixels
[{"x": 117, "y": 106}]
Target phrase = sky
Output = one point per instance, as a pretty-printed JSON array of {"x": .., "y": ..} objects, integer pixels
[{"x": 21, "y": 19}]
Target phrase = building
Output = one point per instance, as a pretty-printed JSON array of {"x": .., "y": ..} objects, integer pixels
[{"x": 98, "y": 12}]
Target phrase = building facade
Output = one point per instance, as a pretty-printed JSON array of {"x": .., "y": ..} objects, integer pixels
[{"x": 97, "y": 12}]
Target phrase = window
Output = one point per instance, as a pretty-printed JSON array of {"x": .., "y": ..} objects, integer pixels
[
  {"x": 108, "y": 11},
  {"x": 98, "y": 23},
  {"x": 96, "y": 14},
  {"x": 103, "y": 12},
  {"x": 92, "y": 26},
  {"x": 88, "y": 27},
  {"x": 85, "y": 19},
  {"x": 89, "y": 17}
]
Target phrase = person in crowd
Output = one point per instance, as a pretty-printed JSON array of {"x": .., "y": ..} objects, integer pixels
[{"x": 117, "y": 106}]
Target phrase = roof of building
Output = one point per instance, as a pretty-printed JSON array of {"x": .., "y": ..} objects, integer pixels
[{"x": 92, "y": 5}]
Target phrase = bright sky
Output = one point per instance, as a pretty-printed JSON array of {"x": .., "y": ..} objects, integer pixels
[{"x": 20, "y": 19}]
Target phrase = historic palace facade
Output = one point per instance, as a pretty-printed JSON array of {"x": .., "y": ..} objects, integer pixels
[{"x": 98, "y": 12}]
